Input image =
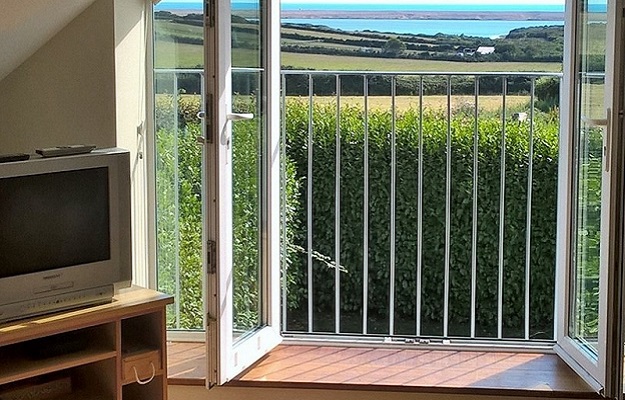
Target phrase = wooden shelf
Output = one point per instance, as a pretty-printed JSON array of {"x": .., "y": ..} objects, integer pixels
[
  {"x": 90, "y": 346},
  {"x": 23, "y": 368}
]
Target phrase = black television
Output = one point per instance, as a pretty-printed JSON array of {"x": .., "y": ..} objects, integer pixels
[{"x": 65, "y": 234}]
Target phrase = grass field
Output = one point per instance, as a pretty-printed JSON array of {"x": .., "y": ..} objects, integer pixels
[
  {"x": 485, "y": 103},
  {"x": 177, "y": 55},
  {"x": 172, "y": 55},
  {"x": 169, "y": 54},
  {"x": 346, "y": 63},
  {"x": 402, "y": 103}
]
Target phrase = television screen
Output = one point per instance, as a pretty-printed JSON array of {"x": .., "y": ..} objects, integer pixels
[{"x": 53, "y": 220}]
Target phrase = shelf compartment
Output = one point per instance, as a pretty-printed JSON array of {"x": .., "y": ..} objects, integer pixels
[
  {"x": 141, "y": 333},
  {"x": 152, "y": 390},
  {"x": 22, "y": 367},
  {"x": 143, "y": 366},
  {"x": 91, "y": 381}
]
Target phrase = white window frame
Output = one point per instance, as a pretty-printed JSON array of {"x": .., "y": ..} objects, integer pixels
[
  {"x": 226, "y": 357},
  {"x": 597, "y": 372}
]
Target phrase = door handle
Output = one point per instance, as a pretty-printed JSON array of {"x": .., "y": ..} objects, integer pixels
[
  {"x": 236, "y": 117},
  {"x": 607, "y": 124},
  {"x": 200, "y": 139},
  {"x": 239, "y": 116}
]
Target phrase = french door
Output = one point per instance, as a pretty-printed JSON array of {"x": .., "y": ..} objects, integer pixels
[
  {"x": 242, "y": 160},
  {"x": 590, "y": 273}
]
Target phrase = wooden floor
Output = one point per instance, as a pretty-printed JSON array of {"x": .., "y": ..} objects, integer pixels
[
  {"x": 416, "y": 370},
  {"x": 186, "y": 363}
]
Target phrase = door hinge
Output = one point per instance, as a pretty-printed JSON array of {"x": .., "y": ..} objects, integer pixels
[
  {"x": 211, "y": 253},
  {"x": 209, "y": 13},
  {"x": 210, "y": 320},
  {"x": 208, "y": 117}
]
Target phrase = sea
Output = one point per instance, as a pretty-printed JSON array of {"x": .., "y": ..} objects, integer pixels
[{"x": 481, "y": 28}]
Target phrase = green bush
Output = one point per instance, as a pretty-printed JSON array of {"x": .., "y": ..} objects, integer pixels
[{"x": 179, "y": 215}]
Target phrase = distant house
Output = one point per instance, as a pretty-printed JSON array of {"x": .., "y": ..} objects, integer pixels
[{"x": 483, "y": 50}]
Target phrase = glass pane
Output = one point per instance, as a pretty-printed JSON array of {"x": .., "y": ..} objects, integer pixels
[
  {"x": 247, "y": 26},
  {"x": 584, "y": 317},
  {"x": 178, "y": 43},
  {"x": 247, "y": 166}
]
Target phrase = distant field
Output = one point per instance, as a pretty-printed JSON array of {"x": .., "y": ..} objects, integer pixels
[
  {"x": 485, "y": 103},
  {"x": 177, "y": 55},
  {"x": 402, "y": 103},
  {"x": 169, "y": 54},
  {"x": 346, "y": 63}
]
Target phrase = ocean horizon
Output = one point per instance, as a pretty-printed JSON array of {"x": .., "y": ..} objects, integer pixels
[{"x": 479, "y": 28}]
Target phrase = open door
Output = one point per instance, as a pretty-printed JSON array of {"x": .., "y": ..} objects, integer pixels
[
  {"x": 589, "y": 272},
  {"x": 243, "y": 170}
]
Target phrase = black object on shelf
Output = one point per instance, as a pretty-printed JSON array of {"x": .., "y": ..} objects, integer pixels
[
  {"x": 65, "y": 150},
  {"x": 13, "y": 157}
]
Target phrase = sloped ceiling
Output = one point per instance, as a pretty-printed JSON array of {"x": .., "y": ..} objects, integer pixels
[{"x": 26, "y": 25}]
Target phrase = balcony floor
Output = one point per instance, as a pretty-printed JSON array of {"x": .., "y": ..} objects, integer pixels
[
  {"x": 186, "y": 363},
  {"x": 386, "y": 369}
]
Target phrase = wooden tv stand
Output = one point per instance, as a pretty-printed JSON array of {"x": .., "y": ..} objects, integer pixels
[{"x": 112, "y": 351}]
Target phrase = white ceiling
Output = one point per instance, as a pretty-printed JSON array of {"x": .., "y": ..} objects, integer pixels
[{"x": 26, "y": 25}]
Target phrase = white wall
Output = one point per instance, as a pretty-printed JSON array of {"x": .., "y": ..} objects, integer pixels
[
  {"x": 65, "y": 92},
  {"x": 131, "y": 41}
]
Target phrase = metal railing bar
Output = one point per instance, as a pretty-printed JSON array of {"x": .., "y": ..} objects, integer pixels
[
  {"x": 385, "y": 73},
  {"x": 476, "y": 139},
  {"x": 391, "y": 327},
  {"x": 178, "y": 71},
  {"x": 419, "y": 212},
  {"x": 204, "y": 202},
  {"x": 447, "y": 215},
  {"x": 177, "y": 203},
  {"x": 284, "y": 202},
  {"x": 502, "y": 209},
  {"x": 365, "y": 252},
  {"x": 528, "y": 224},
  {"x": 234, "y": 70},
  {"x": 435, "y": 343},
  {"x": 337, "y": 212},
  {"x": 309, "y": 203},
  {"x": 424, "y": 73},
  {"x": 556, "y": 323}
]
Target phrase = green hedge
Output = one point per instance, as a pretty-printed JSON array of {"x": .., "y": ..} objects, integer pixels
[
  {"x": 179, "y": 215},
  {"x": 542, "y": 251}
]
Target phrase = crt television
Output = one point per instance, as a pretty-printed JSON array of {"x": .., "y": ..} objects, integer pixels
[{"x": 65, "y": 236}]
